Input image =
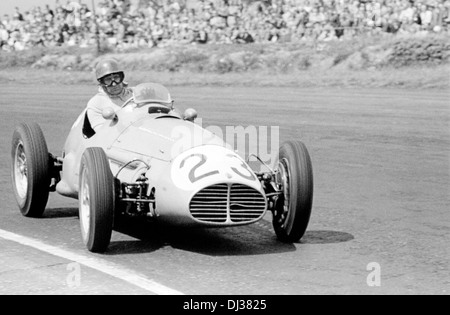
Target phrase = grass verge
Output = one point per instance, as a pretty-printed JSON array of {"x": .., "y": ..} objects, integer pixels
[{"x": 418, "y": 77}]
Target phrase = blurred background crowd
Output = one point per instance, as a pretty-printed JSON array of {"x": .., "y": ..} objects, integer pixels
[{"x": 128, "y": 24}]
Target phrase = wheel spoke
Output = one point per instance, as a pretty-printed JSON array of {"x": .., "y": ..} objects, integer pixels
[
  {"x": 283, "y": 181},
  {"x": 85, "y": 209},
  {"x": 21, "y": 172}
]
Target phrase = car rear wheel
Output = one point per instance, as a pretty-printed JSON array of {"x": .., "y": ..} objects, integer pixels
[
  {"x": 30, "y": 169},
  {"x": 295, "y": 177},
  {"x": 96, "y": 200}
]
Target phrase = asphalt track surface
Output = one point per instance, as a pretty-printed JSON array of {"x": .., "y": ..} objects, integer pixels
[{"x": 381, "y": 163}]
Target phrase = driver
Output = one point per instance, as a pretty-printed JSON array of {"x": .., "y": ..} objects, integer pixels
[{"x": 113, "y": 91}]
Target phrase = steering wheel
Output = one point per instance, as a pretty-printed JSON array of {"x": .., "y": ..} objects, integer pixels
[{"x": 130, "y": 100}]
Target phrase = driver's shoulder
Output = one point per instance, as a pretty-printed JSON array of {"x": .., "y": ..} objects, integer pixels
[
  {"x": 100, "y": 101},
  {"x": 97, "y": 100}
]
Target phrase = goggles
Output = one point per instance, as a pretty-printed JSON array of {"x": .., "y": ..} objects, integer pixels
[{"x": 112, "y": 78}]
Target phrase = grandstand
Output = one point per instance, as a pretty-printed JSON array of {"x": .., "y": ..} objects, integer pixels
[{"x": 130, "y": 24}]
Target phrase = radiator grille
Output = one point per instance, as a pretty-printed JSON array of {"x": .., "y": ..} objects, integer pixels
[
  {"x": 224, "y": 203},
  {"x": 246, "y": 203},
  {"x": 211, "y": 204}
]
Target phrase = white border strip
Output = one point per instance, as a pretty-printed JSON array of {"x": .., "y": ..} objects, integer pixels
[{"x": 94, "y": 263}]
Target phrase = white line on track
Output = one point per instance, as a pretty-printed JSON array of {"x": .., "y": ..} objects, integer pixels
[{"x": 98, "y": 264}]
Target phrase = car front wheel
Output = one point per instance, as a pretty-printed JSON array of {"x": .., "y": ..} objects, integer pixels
[
  {"x": 295, "y": 178},
  {"x": 96, "y": 200},
  {"x": 30, "y": 169}
]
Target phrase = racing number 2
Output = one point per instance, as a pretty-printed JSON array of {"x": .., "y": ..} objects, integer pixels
[
  {"x": 202, "y": 162},
  {"x": 203, "y": 159}
]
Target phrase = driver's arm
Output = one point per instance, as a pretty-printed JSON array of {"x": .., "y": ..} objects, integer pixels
[{"x": 95, "y": 113}]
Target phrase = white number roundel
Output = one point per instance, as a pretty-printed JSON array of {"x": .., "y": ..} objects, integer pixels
[{"x": 205, "y": 164}]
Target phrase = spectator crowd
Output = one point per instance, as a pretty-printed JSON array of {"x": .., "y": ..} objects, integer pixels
[{"x": 126, "y": 24}]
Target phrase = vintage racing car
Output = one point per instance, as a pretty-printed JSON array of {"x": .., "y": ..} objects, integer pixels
[{"x": 149, "y": 161}]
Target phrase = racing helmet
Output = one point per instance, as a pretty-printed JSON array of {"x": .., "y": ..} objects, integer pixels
[{"x": 107, "y": 66}]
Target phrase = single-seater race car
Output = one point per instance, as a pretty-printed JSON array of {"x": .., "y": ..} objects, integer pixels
[{"x": 149, "y": 161}]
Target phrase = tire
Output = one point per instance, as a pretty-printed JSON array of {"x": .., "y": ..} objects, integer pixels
[
  {"x": 295, "y": 177},
  {"x": 96, "y": 200},
  {"x": 30, "y": 169}
]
